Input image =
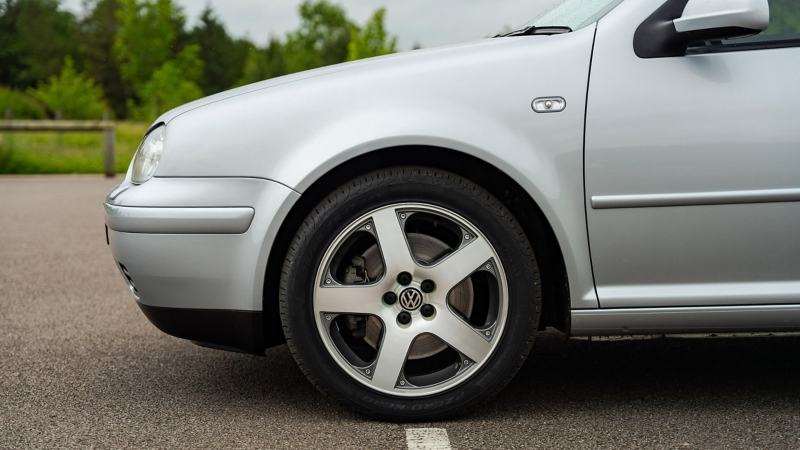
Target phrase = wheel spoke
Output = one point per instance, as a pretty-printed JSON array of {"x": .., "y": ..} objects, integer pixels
[
  {"x": 392, "y": 241},
  {"x": 393, "y": 352},
  {"x": 459, "y": 265},
  {"x": 462, "y": 337},
  {"x": 349, "y": 299}
]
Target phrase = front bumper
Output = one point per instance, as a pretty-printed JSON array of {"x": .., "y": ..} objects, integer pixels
[{"x": 195, "y": 251}]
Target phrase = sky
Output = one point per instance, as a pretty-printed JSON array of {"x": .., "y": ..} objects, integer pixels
[{"x": 430, "y": 23}]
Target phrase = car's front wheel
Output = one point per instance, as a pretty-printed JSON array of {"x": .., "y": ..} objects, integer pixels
[{"x": 410, "y": 294}]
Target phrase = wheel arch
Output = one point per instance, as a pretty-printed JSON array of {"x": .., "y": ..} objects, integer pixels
[{"x": 555, "y": 286}]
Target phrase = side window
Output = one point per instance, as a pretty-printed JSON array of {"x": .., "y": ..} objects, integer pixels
[{"x": 783, "y": 31}]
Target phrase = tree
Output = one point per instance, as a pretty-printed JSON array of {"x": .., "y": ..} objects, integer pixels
[
  {"x": 11, "y": 48},
  {"x": 263, "y": 64},
  {"x": 784, "y": 17},
  {"x": 35, "y": 36},
  {"x": 172, "y": 85},
  {"x": 325, "y": 37},
  {"x": 72, "y": 93},
  {"x": 322, "y": 38},
  {"x": 146, "y": 38},
  {"x": 22, "y": 105},
  {"x": 98, "y": 32},
  {"x": 154, "y": 57},
  {"x": 141, "y": 56},
  {"x": 224, "y": 57},
  {"x": 372, "y": 40}
]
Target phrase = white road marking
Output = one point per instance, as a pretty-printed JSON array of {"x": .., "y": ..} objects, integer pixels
[{"x": 427, "y": 439}]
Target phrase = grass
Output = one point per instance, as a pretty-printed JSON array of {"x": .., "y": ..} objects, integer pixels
[{"x": 71, "y": 152}]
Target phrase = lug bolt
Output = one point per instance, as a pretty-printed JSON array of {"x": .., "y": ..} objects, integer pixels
[
  {"x": 404, "y": 278},
  {"x": 427, "y": 310},
  {"x": 428, "y": 286},
  {"x": 467, "y": 237},
  {"x": 403, "y": 215},
  {"x": 390, "y": 298},
  {"x": 404, "y": 318},
  {"x": 488, "y": 333},
  {"x": 402, "y": 383},
  {"x": 368, "y": 227},
  {"x": 328, "y": 281}
]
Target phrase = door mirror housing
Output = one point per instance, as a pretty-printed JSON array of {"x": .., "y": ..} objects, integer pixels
[
  {"x": 722, "y": 19},
  {"x": 677, "y": 24}
]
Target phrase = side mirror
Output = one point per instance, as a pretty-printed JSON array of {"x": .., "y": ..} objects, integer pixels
[
  {"x": 678, "y": 24},
  {"x": 722, "y": 19}
]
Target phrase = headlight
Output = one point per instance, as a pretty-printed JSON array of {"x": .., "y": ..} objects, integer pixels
[{"x": 147, "y": 155}]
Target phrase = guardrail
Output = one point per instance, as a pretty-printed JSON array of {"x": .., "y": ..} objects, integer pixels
[{"x": 108, "y": 127}]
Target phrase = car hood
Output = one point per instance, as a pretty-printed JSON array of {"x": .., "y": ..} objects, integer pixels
[{"x": 422, "y": 56}]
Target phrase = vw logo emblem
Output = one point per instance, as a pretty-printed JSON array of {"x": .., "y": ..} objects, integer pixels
[{"x": 411, "y": 299}]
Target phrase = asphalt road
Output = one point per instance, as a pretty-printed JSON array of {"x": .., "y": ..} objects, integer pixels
[{"x": 80, "y": 366}]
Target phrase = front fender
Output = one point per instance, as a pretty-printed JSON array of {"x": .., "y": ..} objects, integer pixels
[{"x": 474, "y": 99}]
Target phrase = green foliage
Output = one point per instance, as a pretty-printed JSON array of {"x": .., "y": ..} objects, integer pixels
[
  {"x": 98, "y": 31},
  {"x": 325, "y": 37},
  {"x": 172, "y": 85},
  {"x": 145, "y": 40},
  {"x": 22, "y": 105},
  {"x": 140, "y": 54},
  {"x": 189, "y": 63},
  {"x": 11, "y": 47},
  {"x": 372, "y": 40},
  {"x": 262, "y": 64},
  {"x": 145, "y": 46},
  {"x": 784, "y": 17},
  {"x": 224, "y": 57},
  {"x": 321, "y": 40},
  {"x": 72, "y": 93},
  {"x": 35, "y": 36}
]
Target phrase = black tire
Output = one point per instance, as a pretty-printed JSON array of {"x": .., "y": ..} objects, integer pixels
[{"x": 395, "y": 185}]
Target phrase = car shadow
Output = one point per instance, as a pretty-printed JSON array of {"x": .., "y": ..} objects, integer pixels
[
  {"x": 647, "y": 376},
  {"x": 642, "y": 376}
]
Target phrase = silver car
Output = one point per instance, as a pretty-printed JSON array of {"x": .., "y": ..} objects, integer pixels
[{"x": 407, "y": 224}]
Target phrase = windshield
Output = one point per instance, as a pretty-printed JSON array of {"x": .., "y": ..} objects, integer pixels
[{"x": 574, "y": 14}]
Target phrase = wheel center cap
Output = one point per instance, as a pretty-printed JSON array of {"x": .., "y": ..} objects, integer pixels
[{"x": 411, "y": 299}]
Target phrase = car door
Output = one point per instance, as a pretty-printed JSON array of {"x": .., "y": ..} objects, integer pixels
[{"x": 692, "y": 167}]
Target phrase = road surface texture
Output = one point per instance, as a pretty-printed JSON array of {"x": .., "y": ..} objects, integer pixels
[{"x": 80, "y": 366}]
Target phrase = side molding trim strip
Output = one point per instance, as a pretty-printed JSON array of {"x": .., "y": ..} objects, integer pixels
[
  {"x": 130, "y": 219},
  {"x": 715, "y": 319},
  {"x": 695, "y": 198}
]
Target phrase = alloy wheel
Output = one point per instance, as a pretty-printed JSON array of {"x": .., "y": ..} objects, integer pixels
[{"x": 410, "y": 299}]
